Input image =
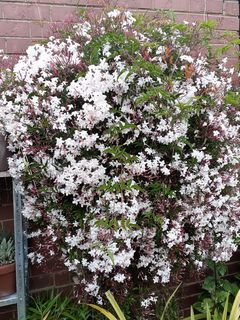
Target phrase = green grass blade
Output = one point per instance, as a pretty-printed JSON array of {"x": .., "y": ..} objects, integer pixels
[
  {"x": 225, "y": 310},
  {"x": 192, "y": 314},
  {"x": 215, "y": 315},
  {"x": 208, "y": 312},
  {"x": 235, "y": 308},
  {"x": 106, "y": 313},
  {"x": 168, "y": 302},
  {"x": 46, "y": 316},
  {"x": 237, "y": 316},
  {"x": 115, "y": 305}
]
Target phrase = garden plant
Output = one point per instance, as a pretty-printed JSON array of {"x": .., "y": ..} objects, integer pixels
[
  {"x": 7, "y": 266},
  {"x": 125, "y": 148}
]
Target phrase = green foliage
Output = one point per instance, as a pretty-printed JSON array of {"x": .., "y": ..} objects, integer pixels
[
  {"x": 121, "y": 155},
  {"x": 208, "y": 25},
  {"x": 118, "y": 187},
  {"x": 168, "y": 303},
  {"x": 56, "y": 307},
  {"x": 115, "y": 224},
  {"x": 115, "y": 306},
  {"x": 168, "y": 311},
  {"x": 216, "y": 290},
  {"x": 156, "y": 188},
  {"x": 118, "y": 42},
  {"x": 121, "y": 128},
  {"x": 233, "y": 98},
  {"x": 172, "y": 310},
  {"x": 152, "y": 219},
  {"x": 7, "y": 251},
  {"x": 234, "y": 311}
]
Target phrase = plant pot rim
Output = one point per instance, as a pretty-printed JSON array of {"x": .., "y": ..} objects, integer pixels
[{"x": 7, "y": 268}]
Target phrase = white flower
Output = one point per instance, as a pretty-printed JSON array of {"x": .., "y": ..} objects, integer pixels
[
  {"x": 189, "y": 59},
  {"x": 199, "y": 155},
  {"x": 119, "y": 277},
  {"x": 114, "y": 13}
]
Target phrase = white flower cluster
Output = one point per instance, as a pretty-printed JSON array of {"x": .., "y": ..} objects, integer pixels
[{"x": 126, "y": 166}]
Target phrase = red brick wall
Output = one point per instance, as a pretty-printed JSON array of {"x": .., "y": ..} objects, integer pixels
[
  {"x": 25, "y": 21},
  {"x": 6, "y": 208}
]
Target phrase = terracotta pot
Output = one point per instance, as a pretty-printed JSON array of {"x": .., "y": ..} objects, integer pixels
[
  {"x": 7, "y": 279},
  {"x": 3, "y": 154}
]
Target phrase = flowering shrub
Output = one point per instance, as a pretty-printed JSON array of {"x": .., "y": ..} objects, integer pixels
[{"x": 125, "y": 147}]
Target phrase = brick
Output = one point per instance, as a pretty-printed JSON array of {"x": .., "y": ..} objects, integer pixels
[
  {"x": 53, "y": 265},
  {"x": 191, "y": 289},
  {"x": 67, "y": 290},
  {"x": 11, "y": 308},
  {"x": 236, "y": 256},
  {"x": 98, "y": 3},
  {"x": 185, "y": 313},
  {"x": 177, "y": 5},
  {"x": 6, "y": 196},
  {"x": 62, "y": 13},
  {"x": 6, "y": 184},
  {"x": 69, "y": 2},
  {"x": 226, "y": 23},
  {"x": 6, "y": 213},
  {"x": 212, "y": 6},
  {"x": 14, "y": 29},
  {"x": 8, "y": 315},
  {"x": 140, "y": 4},
  {"x": 18, "y": 45},
  {"x": 187, "y": 302},
  {"x": 231, "y": 8},
  {"x": 39, "y": 29},
  {"x": 8, "y": 226},
  {"x": 36, "y": 269},
  {"x": 25, "y": 12},
  {"x": 2, "y": 45},
  {"x": 14, "y": 1},
  {"x": 233, "y": 267},
  {"x": 62, "y": 278},
  {"x": 42, "y": 281},
  {"x": 215, "y": 6},
  {"x": 64, "y": 2},
  {"x": 180, "y": 17}
]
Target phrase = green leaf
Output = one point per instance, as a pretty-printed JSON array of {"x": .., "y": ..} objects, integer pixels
[
  {"x": 209, "y": 284},
  {"x": 225, "y": 310},
  {"x": 208, "y": 313},
  {"x": 46, "y": 316},
  {"x": 115, "y": 305},
  {"x": 111, "y": 256},
  {"x": 221, "y": 269},
  {"x": 209, "y": 24},
  {"x": 103, "y": 311},
  {"x": 235, "y": 312},
  {"x": 215, "y": 315}
]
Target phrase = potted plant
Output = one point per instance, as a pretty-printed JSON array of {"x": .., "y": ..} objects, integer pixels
[
  {"x": 7, "y": 267},
  {"x": 3, "y": 154}
]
